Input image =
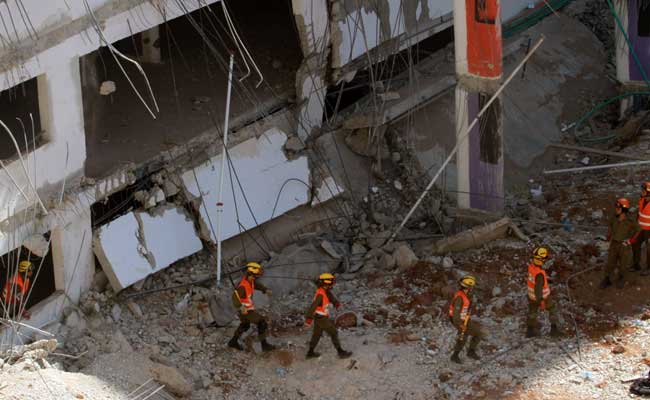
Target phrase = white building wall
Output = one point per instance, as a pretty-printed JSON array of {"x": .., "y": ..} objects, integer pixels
[{"x": 61, "y": 92}]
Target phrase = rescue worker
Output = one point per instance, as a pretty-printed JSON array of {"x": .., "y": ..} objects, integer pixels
[
  {"x": 539, "y": 295},
  {"x": 622, "y": 233},
  {"x": 643, "y": 219},
  {"x": 318, "y": 313},
  {"x": 459, "y": 315},
  {"x": 16, "y": 288},
  {"x": 242, "y": 299}
]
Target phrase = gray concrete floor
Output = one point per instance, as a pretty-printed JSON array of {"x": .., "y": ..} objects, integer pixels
[{"x": 119, "y": 129}]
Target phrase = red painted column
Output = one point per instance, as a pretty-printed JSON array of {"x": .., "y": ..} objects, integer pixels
[{"x": 477, "y": 29}]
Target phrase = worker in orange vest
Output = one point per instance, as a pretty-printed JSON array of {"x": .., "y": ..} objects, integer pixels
[
  {"x": 623, "y": 232},
  {"x": 459, "y": 315},
  {"x": 643, "y": 219},
  {"x": 16, "y": 288},
  {"x": 242, "y": 299},
  {"x": 319, "y": 312},
  {"x": 539, "y": 295}
]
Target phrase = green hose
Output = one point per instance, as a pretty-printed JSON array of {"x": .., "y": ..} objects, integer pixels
[
  {"x": 518, "y": 25},
  {"x": 521, "y": 24},
  {"x": 595, "y": 110}
]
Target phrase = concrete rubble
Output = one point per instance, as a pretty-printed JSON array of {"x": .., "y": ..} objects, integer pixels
[{"x": 154, "y": 313}]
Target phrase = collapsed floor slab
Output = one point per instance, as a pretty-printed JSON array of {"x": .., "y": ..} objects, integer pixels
[
  {"x": 272, "y": 183},
  {"x": 138, "y": 244}
]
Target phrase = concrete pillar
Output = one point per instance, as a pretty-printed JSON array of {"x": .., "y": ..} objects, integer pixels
[
  {"x": 61, "y": 107},
  {"x": 622, "y": 49},
  {"x": 150, "y": 40},
  {"x": 477, "y": 35},
  {"x": 72, "y": 254},
  {"x": 312, "y": 19}
]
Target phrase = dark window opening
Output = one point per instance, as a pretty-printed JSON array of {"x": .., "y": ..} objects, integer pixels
[
  {"x": 343, "y": 95},
  {"x": 189, "y": 83},
  {"x": 643, "y": 25},
  {"x": 490, "y": 139},
  {"x": 16, "y": 105},
  {"x": 119, "y": 203},
  {"x": 42, "y": 281}
]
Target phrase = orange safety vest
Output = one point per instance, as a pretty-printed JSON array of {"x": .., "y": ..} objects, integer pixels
[
  {"x": 644, "y": 215},
  {"x": 533, "y": 271},
  {"x": 15, "y": 285},
  {"x": 463, "y": 311},
  {"x": 249, "y": 288},
  {"x": 322, "y": 309}
]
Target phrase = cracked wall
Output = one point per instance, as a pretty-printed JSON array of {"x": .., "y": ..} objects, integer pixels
[{"x": 360, "y": 26}]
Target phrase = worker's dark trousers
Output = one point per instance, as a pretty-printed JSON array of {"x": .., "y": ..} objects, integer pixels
[
  {"x": 618, "y": 258},
  {"x": 324, "y": 324},
  {"x": 644, "y": 237},
  {"x": 534, "y": 307},
  {"x": 474, "y": 329},
  {"x": 252, "y": 317}
]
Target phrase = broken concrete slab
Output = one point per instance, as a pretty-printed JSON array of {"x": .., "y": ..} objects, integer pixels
[
  {"x": 138, "y": 244},
  {"x": 264, "y": 173},
  {"x": 328, "y": 247},
  {"x": 404, "y": 257},
  {"x": 477, "y": 237},
  {"x": 326, "y": 191},
  {"x": 37, "y": 244},
  {"x": 173, "y": 380},
  {"x": 296, "y": 268},
  {"x": 222, "y": 310}
]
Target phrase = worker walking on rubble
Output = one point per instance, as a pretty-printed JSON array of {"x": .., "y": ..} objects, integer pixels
[
  {"x": 16, "y": 289},
  {"x": 643, "y": 219},
  {"x": 539, "y": 294},
  {"x": 242, "y": 299},
  {"x": 623, "y": 232},
  {"x": 459, "y": 315},
  {"x": 318, "y": 313}
]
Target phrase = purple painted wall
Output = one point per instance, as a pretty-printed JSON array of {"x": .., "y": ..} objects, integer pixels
[
  {"x": 641, "y": 44},
  {"x": 485, "y": 179}
]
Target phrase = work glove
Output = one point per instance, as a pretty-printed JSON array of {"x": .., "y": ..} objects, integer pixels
[
  {"x": 626, "y": 242},
  {"x": 308, "y": 322},
  {"x": 243, "y": 310},
  {"x": 269, "y": 292}
]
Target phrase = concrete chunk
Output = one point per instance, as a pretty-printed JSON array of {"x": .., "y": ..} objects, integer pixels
[
  {"x": 137, "y": 244},
  {"x": 265, "y": 174}
]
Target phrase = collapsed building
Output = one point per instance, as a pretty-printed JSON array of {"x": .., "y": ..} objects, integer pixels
[{"x": 114, "y": 120}]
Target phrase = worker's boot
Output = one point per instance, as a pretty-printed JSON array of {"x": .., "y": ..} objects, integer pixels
[
  {"x": 555, "y": 331},
  {"x": 620, "y": 282},
  {"x": 645, "y": 272},
  {"x": 312, "y": 354},
  {"x": 635, "y": 268},
  {"x": 234, "y": 343},
  {"x": 605, "y": 283},
  {"x": 455, "y": 358},
  {"x": 471, "y": 353},
  {"x": 531, "y": 332},
  {"x": 344, "y": 353},
  {"x": 266, "y": 346}
]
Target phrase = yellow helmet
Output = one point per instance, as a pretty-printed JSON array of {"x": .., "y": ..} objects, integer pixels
[
  {"x": 254, "y": 268},
  {"x": 24, "y": 266},
  {"x": 326, "y": 279},
  {"x": 540, "y": 253},
  {"x": 468, "y": 281}
]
